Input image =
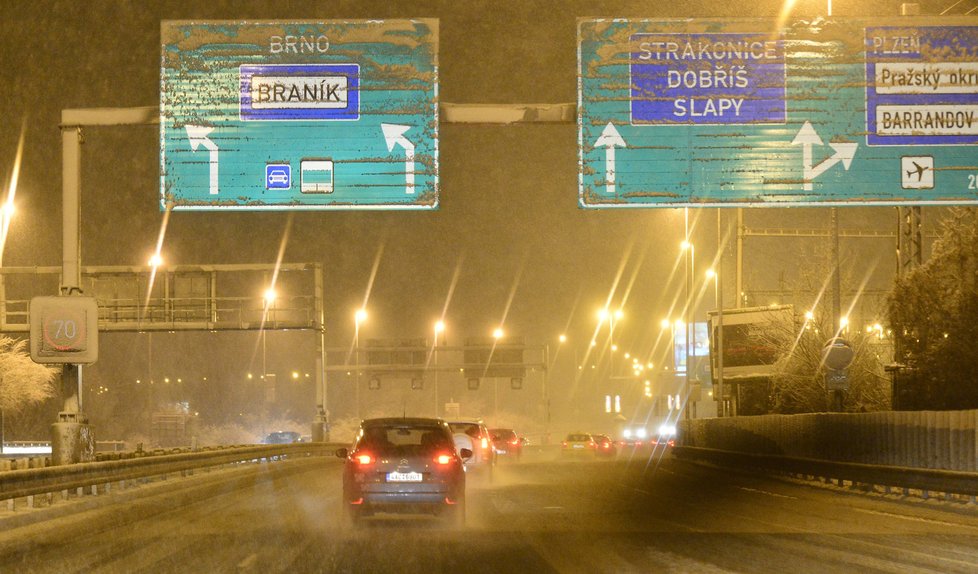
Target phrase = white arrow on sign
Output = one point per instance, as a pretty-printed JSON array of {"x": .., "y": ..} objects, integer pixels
[
  {"x": 609, "y": 139},
  {"x": 197, "y": 136},
  {"x": 808, "y": 137},
  {"x": 394, "y": 134}
]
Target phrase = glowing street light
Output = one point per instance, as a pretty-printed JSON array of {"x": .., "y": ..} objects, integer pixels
[{"x": 497, "y": 334}]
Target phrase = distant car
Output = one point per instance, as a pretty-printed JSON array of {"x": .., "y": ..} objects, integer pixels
[
  {"x": 604, "y": 446},
  {"x": 473, "y": 435},
  {"x": 404, "y": 465},
  {"x": 506, "y": 443},
  {"x": 282, "y": 437},
  {"x": 578, "y": 444}
]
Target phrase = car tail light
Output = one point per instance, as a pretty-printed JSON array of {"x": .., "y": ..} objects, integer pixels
[
  {"x": 563, "y": 444},
  {"x": 363, "y": 458},
  {"x": 606, "y": 444},
  {"x": 591, "y": 445},
  {"x": 485, "y": 442},
  {"x": 514, "y": 441},
  {"x": 443, "y": 459}
]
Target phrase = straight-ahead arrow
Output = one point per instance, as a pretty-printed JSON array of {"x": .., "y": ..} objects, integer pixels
[
  {"x": 198, "y": 136},
  {"x": 394, "y": 135},
  {"x": 609, "y": 139}
]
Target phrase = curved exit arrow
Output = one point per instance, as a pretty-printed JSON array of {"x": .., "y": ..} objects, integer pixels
[
  {"x": 808, "y": 137},
  {"x": 198, "y": 136},
  {"x": 609, "y": 139},
  {"x": 394, "y": 135}
]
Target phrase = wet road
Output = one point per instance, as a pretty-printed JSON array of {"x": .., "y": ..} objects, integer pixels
[{"x": 535, "y": 516}]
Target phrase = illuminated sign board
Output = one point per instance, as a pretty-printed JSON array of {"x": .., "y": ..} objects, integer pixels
[
  {"x": 299, "y": 115},
  {"x": 700, "y": 113}
]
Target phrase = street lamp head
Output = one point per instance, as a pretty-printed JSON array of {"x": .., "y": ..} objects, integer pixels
[
  {"x": 439, "y": 326},
  {"x": 562, "y": 338},
  {"x": 270, "y": 295},
  {"x": 710, "y": 273},
  {"x": 360, "y": 316},
  {"x": 497, "y": 333},
  {"x": 665, "y": 323},
  {"x": 685, "y": 245},
  {"x": 156, "y": 260}
]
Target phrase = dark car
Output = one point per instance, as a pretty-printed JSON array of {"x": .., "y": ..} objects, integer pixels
[
  {"x": 506, "y": 443},
  {"x": 404, "y": 465},
  {"x": 282, "y": 437},
  {"x": 604, "y": 446}
]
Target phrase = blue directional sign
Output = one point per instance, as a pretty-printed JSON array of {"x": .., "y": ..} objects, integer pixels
[
  {"x": 747, "y": 112},
  {"x": 299, "y": 115}
]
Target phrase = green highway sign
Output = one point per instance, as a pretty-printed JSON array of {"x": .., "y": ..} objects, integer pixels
[
  {"x": 676, "y": 113},
  {"x": 296, "y": 115}
]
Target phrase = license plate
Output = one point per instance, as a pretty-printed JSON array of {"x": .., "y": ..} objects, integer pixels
[
  {"x": 577, "y": 446},
  {"x": 403, "y": 477}
]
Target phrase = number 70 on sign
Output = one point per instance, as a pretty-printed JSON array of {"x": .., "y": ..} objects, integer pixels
[{"x": 64, "y": 330}]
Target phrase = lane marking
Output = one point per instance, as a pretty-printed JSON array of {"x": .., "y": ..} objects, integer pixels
[
  {"x": 916, "y": 518},
  {"x": 774, "y": 494}
]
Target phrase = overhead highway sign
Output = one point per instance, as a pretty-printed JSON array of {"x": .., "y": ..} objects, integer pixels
[
  {"x": 299, "y": 115},
  {"x": 748, "y": 113}
]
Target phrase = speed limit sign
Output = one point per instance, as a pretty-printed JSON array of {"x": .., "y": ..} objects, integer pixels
[{"x": 64, "y": 329}]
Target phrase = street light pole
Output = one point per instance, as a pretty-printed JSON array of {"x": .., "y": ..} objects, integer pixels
[
  {"x": 688, "y": 251},
  {"x": 439, "y": 329},
  {"x": 718, "y": 347},
  {"x": 359, "y": 317}
]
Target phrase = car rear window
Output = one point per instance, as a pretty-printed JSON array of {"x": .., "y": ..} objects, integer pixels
[
  {"x": 471, "y": 429},
  {"x": 504, "y": 434},
  {"x": 578, "y": 438},
  {"x": 382, "y": 439}
]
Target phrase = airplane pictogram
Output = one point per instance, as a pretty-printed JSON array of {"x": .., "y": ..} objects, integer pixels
[
  {"x": 917, "y": 172},
  {"x": 918, "y": 169}
]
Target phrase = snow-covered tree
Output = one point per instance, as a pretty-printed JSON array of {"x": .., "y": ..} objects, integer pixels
[
  {"x": 798, "y": 384},
  {"x": 934, "y": 314},
  {"x": 22, "y": 381}
]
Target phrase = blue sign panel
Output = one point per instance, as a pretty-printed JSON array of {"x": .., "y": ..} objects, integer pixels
[
  {"x": 922, "y": 85},
  {"x": 676, "y": 113},
  {"x": 707, "y": 79},
  {"x": 299, "y": 115},
  {"x": 278, "y": 176}
]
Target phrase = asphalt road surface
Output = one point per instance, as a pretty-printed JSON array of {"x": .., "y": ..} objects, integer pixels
[{"x": 535, "y": 516}]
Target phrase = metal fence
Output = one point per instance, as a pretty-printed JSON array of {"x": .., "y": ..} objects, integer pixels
[
  {"x": 944, "y": 440},
  {"x": 74, "y": 478}
]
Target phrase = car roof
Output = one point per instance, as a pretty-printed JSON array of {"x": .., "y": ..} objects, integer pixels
[{"x": 399, "y": 421}]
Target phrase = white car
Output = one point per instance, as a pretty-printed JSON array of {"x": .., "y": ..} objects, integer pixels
[{"x": 474, "y": 435}]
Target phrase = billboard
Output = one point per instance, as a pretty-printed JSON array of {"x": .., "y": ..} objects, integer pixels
[
  {"x": 745, "y": 112},
  {"x": 750, "y": 337}
]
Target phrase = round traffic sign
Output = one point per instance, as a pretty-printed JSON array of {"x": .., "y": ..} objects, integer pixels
[{"x": 837, "y": 354}]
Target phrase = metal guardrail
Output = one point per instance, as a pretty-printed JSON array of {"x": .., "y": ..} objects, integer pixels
[
  {"x": 30, "y": 482},
  {"x": 927, "y": 481}
]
